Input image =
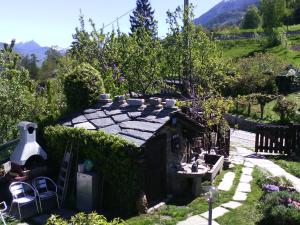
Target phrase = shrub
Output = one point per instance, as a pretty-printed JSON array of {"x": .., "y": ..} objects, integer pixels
[
  {"x": 256, "y": 74},
  {"x": 277, "y": 208},
  {"x": 82, "y": 87},
  {"x": 82, "y": 218},
  {"x": 113, "y": 157},
  {"x": 285, "y": 109}
]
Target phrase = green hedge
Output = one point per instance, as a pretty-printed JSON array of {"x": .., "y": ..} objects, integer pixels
[{"x": 113, "y": 157}]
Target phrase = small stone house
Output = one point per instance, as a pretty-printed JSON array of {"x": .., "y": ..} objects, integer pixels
[{"x": 165, "y": 135}]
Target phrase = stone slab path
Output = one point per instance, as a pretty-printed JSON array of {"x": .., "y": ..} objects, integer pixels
[
  {"x": 196, "y": 220},
  {"x": 227, "y": 181},
  {"x": 243, "y": 188},
  {"x": 242, "y": 146}
]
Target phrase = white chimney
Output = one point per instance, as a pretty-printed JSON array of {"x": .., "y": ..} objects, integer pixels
[
  {"x": 135, "y": 102},
  {"x": 170, "y": 103},
  {"x": 27, "y": 146}
]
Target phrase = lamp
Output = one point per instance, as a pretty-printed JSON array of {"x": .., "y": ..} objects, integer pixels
[{"x": 211, "y": 193}]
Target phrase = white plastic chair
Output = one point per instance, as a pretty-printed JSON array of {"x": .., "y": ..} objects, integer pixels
[
  {"x": 2, "y": 210},
  {"x": 22, "y": 195},
  {"x": 43, "y": 190}
]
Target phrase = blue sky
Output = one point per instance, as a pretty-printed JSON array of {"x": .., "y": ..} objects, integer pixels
[{"x": 52, "y": 22}]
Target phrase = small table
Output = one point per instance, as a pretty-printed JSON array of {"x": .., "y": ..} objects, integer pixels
[{"x": 196, "y": 176}]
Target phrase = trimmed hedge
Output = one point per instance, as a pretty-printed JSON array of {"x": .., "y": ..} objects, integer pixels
[
  {"x": 113, "y": 157},
  {"x": 82, "y": 87}
]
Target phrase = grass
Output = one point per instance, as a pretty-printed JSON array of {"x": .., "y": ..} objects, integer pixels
[
  {"x": 246, "y": 47},
  {"x": 269, "y": 114},
  {"x": 239, "y": 48},
  {"x": 249, "y": 213},
  {"x": 172, "y": 214},
  {"x": 291, "y": 165},
  {"x": 236, "y": 30}
]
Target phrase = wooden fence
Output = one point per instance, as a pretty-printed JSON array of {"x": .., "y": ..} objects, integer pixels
[{"x": 277, "y": 139}]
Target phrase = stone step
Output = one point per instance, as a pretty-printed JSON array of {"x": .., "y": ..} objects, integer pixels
[
  {"x": 247, "y": 171},
  {"x": 231, "y": 205},
  {"x": 239, "y": 196},
  {"x": 227, "y": 181},
  {"x": 243, "y": 187},
  {"x": 196, "y": 220},
  {"x": 216, "y": 212},
  {"x": 246, "y": 178}
]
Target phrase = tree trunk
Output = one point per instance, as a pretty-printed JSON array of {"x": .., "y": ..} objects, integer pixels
[
  {"x": 249, "y": 108},
  {"x": 282, "y": 116},
  {"x": 262, "y": 108}
]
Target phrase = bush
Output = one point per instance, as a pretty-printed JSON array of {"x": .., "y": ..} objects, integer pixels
[
  {"x": 285, "y": 109},
  {"x": 113, "y": 157},
  {"x": 278, "y": 210},
  {"x": 82, "y": 218},
  {"x": 256, "y": 74},
  {"x": 82, "y": 87}
]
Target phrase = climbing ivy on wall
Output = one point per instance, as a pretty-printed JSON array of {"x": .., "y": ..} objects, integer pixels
[{"x": 112, "y": 156}]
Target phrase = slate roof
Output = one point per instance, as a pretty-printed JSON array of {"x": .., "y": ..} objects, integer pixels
[{"x": 135, "y": 124}]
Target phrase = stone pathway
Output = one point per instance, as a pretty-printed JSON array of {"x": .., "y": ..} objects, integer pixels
[
  {"x": 241, "y": 143},
  {"x": 227, "y": 181},
  {"x": 243, "y": 188}
]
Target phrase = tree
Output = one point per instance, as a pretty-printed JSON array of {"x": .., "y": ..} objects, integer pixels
[
  {"x": 49, "y": 66},
  {"x": 8, "y": 58},
  {"x": 285, "y": 109},
  {"x": 252, "y": 18},
  {"x": 17, "y": 102},
  {"x": 198, "y": 65},
  {"x": 143, "y": 17},
  {"x": 262, "y": 100},
  {"x": 87, "y": 46},
  {"x": 30, "y": 63},
  {"x": 273, "y": 12},
  {"x": 143, "y": 66},
  {"x": 255, "y": 74}
]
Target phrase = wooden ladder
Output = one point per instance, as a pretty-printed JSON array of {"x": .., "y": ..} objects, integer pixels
[{"x": 63, "y": 177}]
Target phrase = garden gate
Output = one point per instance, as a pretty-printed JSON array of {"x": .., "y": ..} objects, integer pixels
[{"x": 277, "y": 139}]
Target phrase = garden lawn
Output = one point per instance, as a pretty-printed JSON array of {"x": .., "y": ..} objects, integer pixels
[
  {"x": 172, "y": 214},
  {"x": 249, "y": 213},
  {"x": 269, "y": 114},
  {"x": 291, "y": 165},
  {"x": 246, "y": 47}
]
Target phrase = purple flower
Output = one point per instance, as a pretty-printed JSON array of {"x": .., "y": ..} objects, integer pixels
[
  {"x": 270, "y": 187},
  {"x": 121, "y": 79}
]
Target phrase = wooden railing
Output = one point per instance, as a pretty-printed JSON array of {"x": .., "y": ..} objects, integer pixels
[
  {"x": 277, "y": 139},
  {"x": 5, "y": 150}
]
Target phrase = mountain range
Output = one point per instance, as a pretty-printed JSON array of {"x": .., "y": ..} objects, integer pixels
[
  {"x": 227, "y": 12},
  {"x": 32, "y": 47}
]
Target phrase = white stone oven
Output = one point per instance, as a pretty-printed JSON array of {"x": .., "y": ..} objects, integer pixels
[{"x": 28, "y": 147}]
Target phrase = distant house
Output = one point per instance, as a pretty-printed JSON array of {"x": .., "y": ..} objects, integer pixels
[{"x": 165, "y": 135}]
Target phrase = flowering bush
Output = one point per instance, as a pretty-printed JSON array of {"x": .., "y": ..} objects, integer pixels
[
  {"x": 281, "y": 208},
  {"x": 82, "y": 218},
  {"x": 270, "y": 188}
]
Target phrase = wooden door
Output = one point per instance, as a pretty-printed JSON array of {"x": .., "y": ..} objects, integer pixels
[{"x": 155, "y": 171}]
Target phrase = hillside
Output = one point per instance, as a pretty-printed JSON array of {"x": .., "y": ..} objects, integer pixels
[
  {"x": 32, "y": 47},
  {"x": 227, "y": 12}
]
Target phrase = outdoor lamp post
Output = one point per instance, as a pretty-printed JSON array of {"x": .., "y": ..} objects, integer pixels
[{"x": 211, "y": 194}]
